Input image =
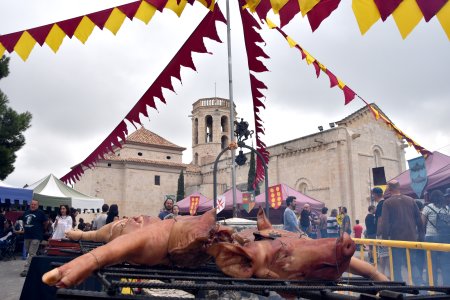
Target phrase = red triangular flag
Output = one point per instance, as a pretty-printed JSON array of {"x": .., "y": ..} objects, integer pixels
[{"x": 386, "y": 7}]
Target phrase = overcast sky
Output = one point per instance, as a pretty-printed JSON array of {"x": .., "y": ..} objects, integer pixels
[{"x": 78, "y": 95}]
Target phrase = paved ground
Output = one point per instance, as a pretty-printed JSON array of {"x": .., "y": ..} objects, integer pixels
[{"x": 11, "y": 282}]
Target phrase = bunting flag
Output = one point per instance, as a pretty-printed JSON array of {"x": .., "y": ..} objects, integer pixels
[
  {"x": 195, "y": 43},
  {"x": 407, "y": 16},
  {"x": 366, "y": 14},
  {"x": 23, "y": 42},
  {"x": 406, "y": 13},
  {"x": 252, "y": 40},
  {"x": 349, "y": 94},
  {"x": 400, "y": 134},
  {"x": 248, "y": 201},
  {"x": 275, "y": 196},
  {"x": 193, "y": 204}
]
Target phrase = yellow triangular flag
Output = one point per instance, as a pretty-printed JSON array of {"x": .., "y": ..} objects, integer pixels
[
  {"x": 84, "y": 29},
  {"x": 307, "y": 5},
  {"x": 115, "y": 20},
  {"x": 211, "y": 7},
  {"x": 271, "y": 24},
  {"x": 55, "y": 37},
  {"x": 252, "y": 4},
  {"x": 366, "y": 14},
  {"x": 277, "y": 5},
  {"x": 407, "y": 16},
  {"x": 309, "y": 58},
  {"x": 322, "y": 67},
  {"x": 2, "y": 50},
  {"x": 175, "y": 7},
  {"x": 340, "y": 84},
  {"x": 24, "y": 45},
  {"x": 145, "y": 12},
  {"x": 444, "y": 18},
  {"x": 291, "y": 42}
]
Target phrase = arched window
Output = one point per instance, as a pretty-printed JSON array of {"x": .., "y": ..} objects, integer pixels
[
  {"x": 224, "y": 141},
  {"x": 208, "y": 129},
  {"x": 196, "y": 159},
  {"x": 224, "y": 123},
  {"x": 195, "y": 131},
  {"x": 377, "y": 157},
  {"x": 303, "y": 188}
]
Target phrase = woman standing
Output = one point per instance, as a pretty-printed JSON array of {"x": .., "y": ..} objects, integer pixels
[{"x": 62, "y": 223}]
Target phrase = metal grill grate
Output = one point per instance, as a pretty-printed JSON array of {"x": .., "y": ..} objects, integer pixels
[{"x": 202, "y": 281}]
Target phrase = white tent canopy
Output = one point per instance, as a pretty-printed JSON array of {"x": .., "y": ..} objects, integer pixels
[{"x": 50, "y": 191}]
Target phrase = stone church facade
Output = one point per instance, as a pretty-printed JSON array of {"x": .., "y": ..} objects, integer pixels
[{"x": 333, "y": 165}]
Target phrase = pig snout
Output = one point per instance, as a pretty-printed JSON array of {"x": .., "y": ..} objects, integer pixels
[{"x": 346, "y": 245}]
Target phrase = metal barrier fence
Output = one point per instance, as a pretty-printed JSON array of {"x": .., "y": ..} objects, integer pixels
[{"x": 428, "y": 247}]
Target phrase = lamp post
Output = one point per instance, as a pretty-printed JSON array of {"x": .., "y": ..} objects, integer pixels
[{"x": 242, "y": 133}]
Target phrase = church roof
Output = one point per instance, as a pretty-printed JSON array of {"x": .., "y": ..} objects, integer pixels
[
  {"x": 188, "y": 167},
  {"x": 146, "y": 137},
  {"x": 360, "y": 112}
]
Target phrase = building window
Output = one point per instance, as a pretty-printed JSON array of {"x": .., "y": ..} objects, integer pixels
[
  {"x": 208, "y": 129},
  {"x": 377, "y": 157},
  {"x": 168, "y": 157},
  {"x": 109, "y": 165},
  {"x": 224, "y": 123},
  {"x": 196, "y": 159},
  {"x": 303, "y": 188},
  {"x": 157, "y": 180},
  {"x": 224, "y": 141},
  {"x": 196, "y": 131},
  {"x": 139, "y": 153}
]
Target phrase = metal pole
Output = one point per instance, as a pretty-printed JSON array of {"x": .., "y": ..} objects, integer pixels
[{"x": 230, "y": 92}]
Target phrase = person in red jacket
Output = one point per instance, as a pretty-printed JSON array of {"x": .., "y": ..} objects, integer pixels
[{"x": 358, "y": 229}]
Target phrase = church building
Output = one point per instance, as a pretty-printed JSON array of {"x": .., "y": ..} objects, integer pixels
[{"x": 333, "y": 165}]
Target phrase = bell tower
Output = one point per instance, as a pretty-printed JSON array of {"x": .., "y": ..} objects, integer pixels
[{"x": 210, "y": 129}]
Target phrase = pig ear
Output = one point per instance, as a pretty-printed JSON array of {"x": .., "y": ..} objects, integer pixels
[
  {"x": 209, "y": 216},
  {"x": 262, "y": 221},
  {"x": 232, "y": 259}
]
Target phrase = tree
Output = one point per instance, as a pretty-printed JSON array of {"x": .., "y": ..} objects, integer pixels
[
  {"x": 180, "y": 190},
  {"x": 12, "y": 125}
]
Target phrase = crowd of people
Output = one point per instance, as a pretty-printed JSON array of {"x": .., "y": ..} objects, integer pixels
[
  {"x": 317, "y": 226},
  {"x": 398, "y": 217},
  {"x": 34, "y": 227}
]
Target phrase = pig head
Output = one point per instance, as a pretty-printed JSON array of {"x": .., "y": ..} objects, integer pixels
[{"x": 286, "y": 258}]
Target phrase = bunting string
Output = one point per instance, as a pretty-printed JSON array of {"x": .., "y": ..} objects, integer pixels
[
  {"x": 254, "y": 52},
  {"x": 349, "y": 94},
  {"x": 53, "y": 34},
  {"x": 406, "y": 13},
  {"x": 195, "y": 43}
]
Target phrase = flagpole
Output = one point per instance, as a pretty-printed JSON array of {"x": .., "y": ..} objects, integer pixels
[{"x": 230, "y": 92}]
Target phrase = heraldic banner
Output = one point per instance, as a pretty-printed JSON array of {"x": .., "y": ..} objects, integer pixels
[
  {"x": 248, "y": 201},
  {"x": 195, "y": 201},
  {"x": 418, "y": 174},
  {"x": 275, "y": 196}
]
